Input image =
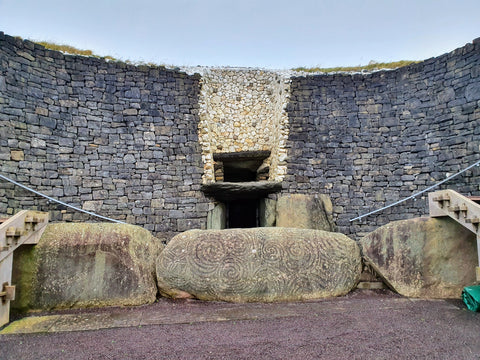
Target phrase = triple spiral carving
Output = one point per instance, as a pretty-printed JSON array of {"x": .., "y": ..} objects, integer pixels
[{"x": 257, "y": 264}]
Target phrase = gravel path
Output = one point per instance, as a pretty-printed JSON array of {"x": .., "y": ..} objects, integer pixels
[{"x": 363, "y": 325}]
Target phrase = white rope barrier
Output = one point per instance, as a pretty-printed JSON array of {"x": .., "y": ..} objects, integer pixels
[
  {"x": 417, "y": 194},
  {"x": 59, "y": 202}
]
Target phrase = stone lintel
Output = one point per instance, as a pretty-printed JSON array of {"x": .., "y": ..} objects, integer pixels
[
  {"x": 225, "y": 191},
  {"x": 242, "y": 155}
]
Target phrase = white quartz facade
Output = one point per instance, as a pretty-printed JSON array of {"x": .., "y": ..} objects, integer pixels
[{"x": 244, "y": 110}]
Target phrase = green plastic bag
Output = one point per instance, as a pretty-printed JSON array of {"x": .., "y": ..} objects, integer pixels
[{"x": 471, "y": 297}]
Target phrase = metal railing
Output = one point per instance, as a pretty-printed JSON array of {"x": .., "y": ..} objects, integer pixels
[
  {"x": 418, "y": 193},
  {"x": 60, "y": 202}
]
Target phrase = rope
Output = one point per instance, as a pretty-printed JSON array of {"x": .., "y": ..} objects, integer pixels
[
  {"x": 357, "y": 218},
  {"x": 417, "y": 194},
  {"x": 60, "y": 202}
]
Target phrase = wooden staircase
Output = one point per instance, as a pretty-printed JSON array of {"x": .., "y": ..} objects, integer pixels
[
  {"x": 465, "y": 210},
  {"x": 25, "y": 227}
]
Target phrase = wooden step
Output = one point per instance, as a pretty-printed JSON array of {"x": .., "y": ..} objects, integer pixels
[
  {"x": 7, "y": 293},
  {"x": 25, "y": 227},
  {"x": 475, "y": 220},
  {"x": 14, "y": 232},
  {"x": 474, "y": 199},
  {"x": 458, "y": 208},
  {"x": 33, "y": 219},
  {"x": 442, "y": 197}
]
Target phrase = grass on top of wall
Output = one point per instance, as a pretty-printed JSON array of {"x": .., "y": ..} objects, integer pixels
[
  {"x": 71, "y": 50},
  {"x": 370, "y": 67},
  {"x": 67, "y": 49}
]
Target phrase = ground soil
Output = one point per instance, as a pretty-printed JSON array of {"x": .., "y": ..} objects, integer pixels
[{"x": 362, "y": 325}]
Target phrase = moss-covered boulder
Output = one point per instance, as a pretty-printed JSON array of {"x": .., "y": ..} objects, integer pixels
[
  {"x": 423, "y": 257},
  {"x": 84, "y": 264},
  {"x": 259, "y": 264}
]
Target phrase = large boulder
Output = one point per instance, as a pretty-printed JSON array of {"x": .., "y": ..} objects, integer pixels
[
  {"x": 258, "y": 264},
  {"x": 423, "y": 257},
  {"x": 305, "y": 212},
  {"x": 82, "y": 265}
]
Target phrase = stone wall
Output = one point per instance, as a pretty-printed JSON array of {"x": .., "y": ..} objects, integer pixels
[
  {"x": 133, "y": 142},
  {"x": 117, "y": 139},
  {"x": 368, "y": 140},
  {"x": 244, "y": 110}
]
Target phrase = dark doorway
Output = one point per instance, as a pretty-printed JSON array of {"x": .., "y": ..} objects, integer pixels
[
  {"x": 243, "y": 166},
  {"x": 242, "y": 213}
]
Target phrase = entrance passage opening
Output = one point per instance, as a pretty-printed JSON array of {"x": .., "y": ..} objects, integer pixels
[
  {"x": 240, "y": 189},
  {"x": 243, "y": 166},
  {"x": 241, "y": 171},
  {"x": 242, "y": 213}
]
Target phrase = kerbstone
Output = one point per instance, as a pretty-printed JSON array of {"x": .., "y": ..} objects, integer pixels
[
  {"x": 423, "y": 257},
  {"x": 83, "y": 265},
  {"x": 258, "y": 264}
]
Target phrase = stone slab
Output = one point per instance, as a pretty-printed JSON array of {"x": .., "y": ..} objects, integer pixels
[
  {"x": 305, "y": 211},
  {"x": 84, "y": 265},
  {"x": 258, "y": 264},
  {"x": 423, "y": 257},
  {"x": 225, "y": 191}
]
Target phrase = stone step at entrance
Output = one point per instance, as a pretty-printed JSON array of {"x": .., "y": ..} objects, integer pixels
[
  {"x": 371, "y": 285},
  {"x": 25, "y": 227},
  {"x": 463, "y": 209}
]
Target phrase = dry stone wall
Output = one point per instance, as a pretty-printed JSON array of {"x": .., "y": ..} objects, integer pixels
[
  {"x": 135, "y": 143},
  {"x": 117, "y": 139},
  {"x": 370, "y": 140}
]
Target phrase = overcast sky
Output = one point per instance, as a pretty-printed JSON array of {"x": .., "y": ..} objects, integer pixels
[{"x": 276, "y": 34}]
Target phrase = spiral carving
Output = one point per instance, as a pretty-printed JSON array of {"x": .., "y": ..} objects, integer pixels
[
  {"x": 272, "y": 251},
  {"x": 300, "y": 255},
  {"x": 174, "y": 264},
  {"x": 262, "y": 264},
  {"x": 209, "y": 254}
]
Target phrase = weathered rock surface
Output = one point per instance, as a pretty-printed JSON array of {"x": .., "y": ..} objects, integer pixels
[
  {"x": 267, "y": 212},
  {"x": 82, "y": 265},
  {"x": 423, "y": 257},
  {"x": 305, "y": 211},
  {"x": 258, "y": 264},
  {"x": 226, "y": 191}
]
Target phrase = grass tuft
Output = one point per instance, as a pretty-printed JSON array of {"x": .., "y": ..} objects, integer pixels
[
  {"x": 74, "y": 51},
  {"x": 373, "y": 66},
  {"x": 71, "y": 50}
]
